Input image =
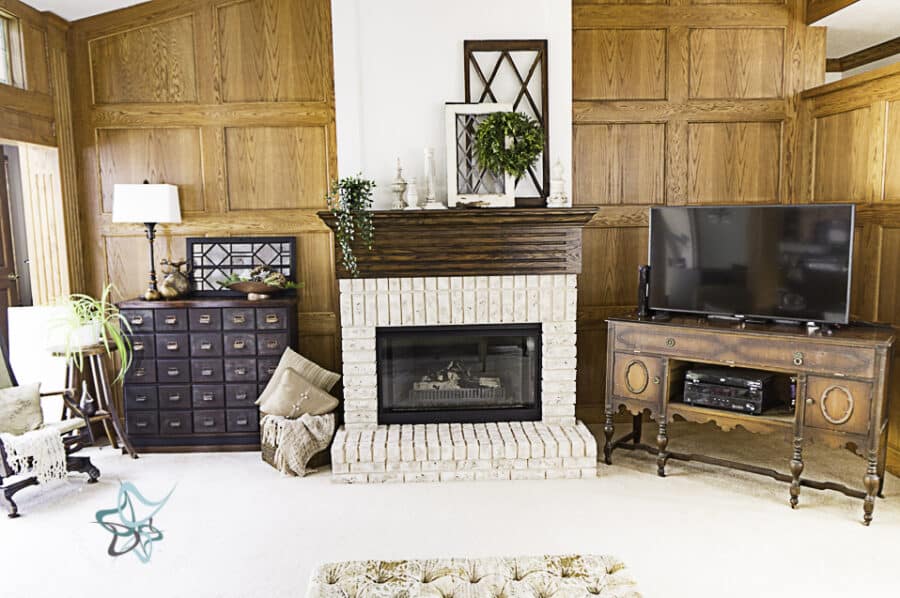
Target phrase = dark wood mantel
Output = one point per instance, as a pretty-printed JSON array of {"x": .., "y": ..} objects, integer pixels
[{"x": 468, "y": 242}]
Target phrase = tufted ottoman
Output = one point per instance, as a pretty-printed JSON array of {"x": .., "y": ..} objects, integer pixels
[{"x": 507, "y": 577}]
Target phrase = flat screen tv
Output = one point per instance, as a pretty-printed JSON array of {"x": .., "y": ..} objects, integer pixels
[{"x": 789, "y": 263}]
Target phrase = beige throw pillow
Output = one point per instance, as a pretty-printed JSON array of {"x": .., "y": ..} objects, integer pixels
[
  {"x": 315, "y": 374},
  {"x": 20, "y": 409},
  {"x": 293, "y": 395}
]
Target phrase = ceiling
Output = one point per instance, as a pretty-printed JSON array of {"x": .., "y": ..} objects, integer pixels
[
  {"x": 861, "y": 25},
  {"x": 72, "y": 10}
]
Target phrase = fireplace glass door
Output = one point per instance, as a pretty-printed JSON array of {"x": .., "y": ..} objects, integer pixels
[{"x": 436, "y": 374}]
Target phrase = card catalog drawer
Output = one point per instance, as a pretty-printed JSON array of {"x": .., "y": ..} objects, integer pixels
[
  {"x": 171, "y": 320},
  {"x": 174, "y": 422},
  {"x": 140, "y": 320},
  {"x": 274, "y": 318},
  {"x": 240, "y": 395},
  {"x": 240, "y": 370},
  {"x": 208, "y": 397},
  {"x": 141, "y": 372},
  {"x": 209, "y": 422},
  {"x": 170, "y": 371},
  {"x": 174, "y": 397},
  {"x": 143, "y": 346},
  {"x": 142, "y": 423},
  {"x": 172, "y": 345},
  {"x": 238, "y": 318},
  {"x": 242, "y": 420},
  {"x": 207, "y": 370},
  {"x": 271, "y": 343},
  {"x": 206, "y": 344},
  {"x": 240, "y": 343},
  {"x": 140, "y": 396},
  {"x": 202, "y": 319}
]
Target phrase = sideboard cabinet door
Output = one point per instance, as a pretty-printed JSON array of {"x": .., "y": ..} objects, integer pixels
[
  {"x": 837, "y": 404},
  {"x": 638, "y": 377}
]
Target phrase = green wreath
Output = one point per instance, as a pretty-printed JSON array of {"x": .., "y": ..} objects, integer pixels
[{"x": 491, "y": 150}]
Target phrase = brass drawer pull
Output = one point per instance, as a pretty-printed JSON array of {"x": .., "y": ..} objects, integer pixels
[
  {"x": 140, "y": 373},
  {"x": 209, "y": 422},
  {"x": 810, "y": 401},
  {"x": 798, "y": 358},
  {"x": 240, "y": 371},
  {"x": 272, "y": 318},
  {"x": 272, "y": 344},
  {"x": 174, "y": 424},
  {"x": 243, "y": 421},
  {"x": 174, "y": 398},
  {"x": 141, "y": 424},
  {"x": 209, "y": 397},
  {"x": 270, "y": 370},
  {"x": 239, "y": 319},
  {"x": 138, "y": 346},
  {"x": 670, "y": 342},
  {"x": 171, "y": 320},
  {"x": 656, "y": 379},
  {"x": 239, "y": 344},
  {"x": 241, "y": 396},
  {"x": 173, "y": 372},
  {"x": 205, "y": 346},
  {"x": 206, "y": 372},
  {"x": 205, "y": 319},
  {"x": 137, "y": 320},
  {"x": 140, "y": 399},
  {"x": 172, "y": 346}
]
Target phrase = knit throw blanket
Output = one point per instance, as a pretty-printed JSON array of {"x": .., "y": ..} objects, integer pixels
[
  {"x": 38, "y": 452},
  {"x": 297, "y": 440}
]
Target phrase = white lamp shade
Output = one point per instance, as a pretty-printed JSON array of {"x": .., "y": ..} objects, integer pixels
[{"x": 146, "y": 203}]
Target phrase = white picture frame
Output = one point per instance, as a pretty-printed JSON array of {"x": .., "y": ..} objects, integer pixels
[{"x": 467, "y": 182}]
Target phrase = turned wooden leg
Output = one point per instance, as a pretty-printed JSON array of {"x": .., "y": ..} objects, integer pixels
[
  {"x": 636, "y": 423},
  {"x": 872, "y": 482},
  {"x": 796, "y": 470},
  {"x": 608, "y": 430},
  {"x": 662, "y": 441}
]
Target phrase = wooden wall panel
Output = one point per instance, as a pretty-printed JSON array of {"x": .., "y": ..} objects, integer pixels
[
  {"x": 842, "y": 154},
  {"x": 892, "y": 154},
  {"x": 745, "y": 157},
  {"x": 153, "y": 63},
  {"x": 297, "y": 154},
  {"x": 736, "y": 63},
  {"x": 37, "y": 74},
  {"x": 614, "y": 255},
  {"x": 273, "y": 51},
  {"x": 623, "y": 64},
  {"x": 626, "y": 164},
  {"x": 235, "y": 104},
  {"x": 158, "y": 155}
]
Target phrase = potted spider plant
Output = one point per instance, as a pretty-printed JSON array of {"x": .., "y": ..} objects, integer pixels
[{"x": 89, "y": 322}]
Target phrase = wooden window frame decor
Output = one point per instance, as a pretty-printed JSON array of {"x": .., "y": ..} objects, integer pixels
[
  {"x": 485, "y": 76},
  {"x": 462, "y": 167},
  {"x": 235, "y": 259}
]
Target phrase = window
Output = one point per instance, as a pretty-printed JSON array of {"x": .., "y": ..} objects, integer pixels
[
  {"x": 5, "y": 54},
  {"x": 11, "y": 71}
]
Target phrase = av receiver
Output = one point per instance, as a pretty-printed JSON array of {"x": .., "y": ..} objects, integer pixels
[{"x": 730, "y": 389}]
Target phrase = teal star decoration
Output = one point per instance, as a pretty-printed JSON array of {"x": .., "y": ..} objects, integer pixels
[{"x": 130, "y": 533}]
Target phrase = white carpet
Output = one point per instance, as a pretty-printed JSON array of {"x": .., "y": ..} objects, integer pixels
[{"x": 235, "y": 528}]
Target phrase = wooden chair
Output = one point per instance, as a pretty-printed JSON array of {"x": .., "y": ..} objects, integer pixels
[{"x": 74, "y": 430}]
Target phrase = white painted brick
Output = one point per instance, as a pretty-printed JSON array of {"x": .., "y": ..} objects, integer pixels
[
  {"x": 357, "y": 356},
  {"x": 383, "y": 305},
  {"x": 360, "y": 381},
  {"x": 456, "y": 306},
  {"x": 396, "y": 317},
  {"x": 363, "y": 405},
  {"x": 406, "y": 309},
  {"x": 371, "y": 310},
  {"x": 558, "y": 363},
  {"x": 365, "y": 467},
  {"x": 519, "y": 474},
  {"x": 558, "y": 385},
  {"x": 431, "y": 308},
  {"x": 359, "y": 369},
  {"x": 358, "y": 305},
  {"x": 559, "y": 340},
  {"x": 564, "y": 351},
  {"x": 431, "y": 476},
  {"x": 507, "y": 298},
  {"x": 443, "y": 299},
  {"x": 357, "y": 332},
  {"x": 361, "y": 392},
  {"x": 572, "y": 474},
  {"x": 351, "y": 478},
  {"x": 346, "y": 308},
  {"x": 577, "y": 462},
  {"x": 496, "y": 474},
  {"x": 468, "y": 306},
  {"x": 340, "y": 467},
  {"x": 589, "y": 472},
  {"x": 495, "y": 306},
  {"x": 555, "y": 474},
  {"x": 564, "y": 375},
  {"x": 571, "y": 310},
  {"x": 419, "y": 308},
  {"x": 558, "y": 327},
  {"x": 361, "y": 344},
  {"x": 345, "y": 285}
]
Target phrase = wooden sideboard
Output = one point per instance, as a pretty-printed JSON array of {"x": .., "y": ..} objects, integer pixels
[
  {"x": 199, "y": 366},
  {"x": 841, "y": 379}
]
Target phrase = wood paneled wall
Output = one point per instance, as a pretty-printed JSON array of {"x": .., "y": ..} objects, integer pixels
[
  {"x": 852, "y": 136},
  {"x": 233, "y": 101},
  {"x": 677, "y": 102},
  {"x": 40, "y": 112}
]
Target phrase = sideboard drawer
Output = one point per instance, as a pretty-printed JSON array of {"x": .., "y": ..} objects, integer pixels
[
  {"x": 748, "y": 350},
  {"x": 172, "y": 345},
  {"x": 205, "y": 319},
  {"x": 206, "y": 344},
  {"x": 209, "y": 422},
  {"x": 174, "y": 422},
  {"x": 208, "y": 396},
  {"x": 140, "y": 320},
  {"x": 174, "y": 397},
  {"x": 240, "y": 370},
  {"x": 240, "y": 395},
  {"x": 143, "y": 346},
  {"x": 242, "y": 420},
  {"x": 140, "y": 396},
  {"x": 271, "y": 343},
  {"x": 637, "y": 377},
  {"x": 274, "y": 318},
  {"x": 838, "y": 405},
  {"x": 171, "y": 320},
  {"x": 207, "y": 370},
  {"x": 141, "y": 372},
  {"x": 240, "y": 343},
  {"x": 142, "y": 423},
  {"x": 171, "y": 371},
  {"x": 239, "y": 318}
]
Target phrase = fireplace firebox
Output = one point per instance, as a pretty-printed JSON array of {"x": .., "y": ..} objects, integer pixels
[{"x": 466, "y": 374}]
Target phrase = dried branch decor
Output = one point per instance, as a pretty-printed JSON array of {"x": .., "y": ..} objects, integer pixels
[
  {"x": 349, "y": 200},
  {"x": 508, "y": 142}
]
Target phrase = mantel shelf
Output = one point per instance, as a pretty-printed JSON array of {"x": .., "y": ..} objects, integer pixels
[{"x": 470, "y": 242}]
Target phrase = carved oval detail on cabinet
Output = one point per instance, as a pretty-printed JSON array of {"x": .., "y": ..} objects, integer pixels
[
  {"x": 636, "y": 376},
  {"x": 837, "y": 404}
]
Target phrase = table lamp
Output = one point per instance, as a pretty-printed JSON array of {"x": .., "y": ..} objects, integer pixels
[{"x": 149, "y": 205}]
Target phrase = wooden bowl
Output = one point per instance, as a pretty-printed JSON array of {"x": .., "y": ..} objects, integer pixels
[{"x": 259, "y": 288}]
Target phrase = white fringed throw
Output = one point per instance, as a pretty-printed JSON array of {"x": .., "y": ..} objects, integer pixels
[
  {"x": 38, "y": 452},
  {"x": 297, "y": 440}
]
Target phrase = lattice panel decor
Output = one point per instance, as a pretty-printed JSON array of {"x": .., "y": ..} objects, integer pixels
[
  {"x": 214, "y": 259},
  {"x": 514, "y": 72},
  {"x": 471, "y": 177}
]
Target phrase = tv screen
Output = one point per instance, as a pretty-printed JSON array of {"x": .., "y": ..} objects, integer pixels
[{"x": 766, "y": 262}]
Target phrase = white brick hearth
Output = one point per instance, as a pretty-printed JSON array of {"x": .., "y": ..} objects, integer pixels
[{"x": 557, "y": 446}]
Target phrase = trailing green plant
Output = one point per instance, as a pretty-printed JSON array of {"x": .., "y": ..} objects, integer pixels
[
  {"x": 526, "y": 142},
  {"x": 112, "y": 327},
  {"x": 349, "y": 200}
]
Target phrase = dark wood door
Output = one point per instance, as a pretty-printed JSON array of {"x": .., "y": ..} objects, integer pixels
[{"x": 9, "y": 285}]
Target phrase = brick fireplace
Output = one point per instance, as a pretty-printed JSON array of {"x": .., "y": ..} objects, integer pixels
[{"x": 459, "y": 352}]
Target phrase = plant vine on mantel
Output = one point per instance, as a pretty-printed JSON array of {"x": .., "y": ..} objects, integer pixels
[{"x": 349, "y": 200}]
